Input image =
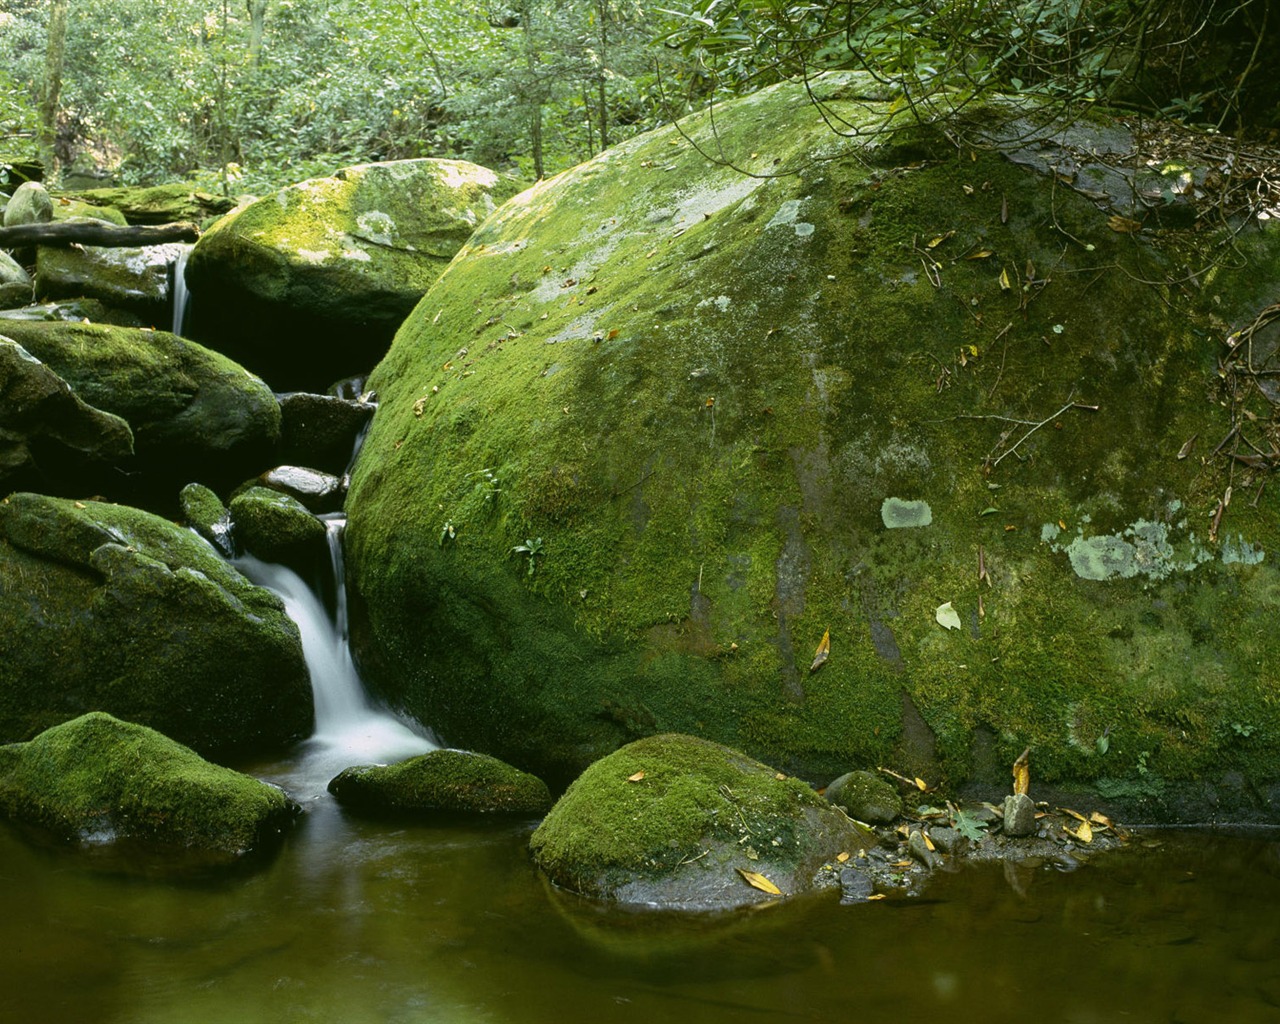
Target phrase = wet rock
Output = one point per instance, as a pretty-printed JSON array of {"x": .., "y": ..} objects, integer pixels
[
  {"x": 108, "y": 608},
  {"x": 12, "y": 272},
  {"x": 865, "y": 797},
  {"x": 321, "y": 430},
  {"x": 132, "y": 278},
  {"x": 1019, "y": 815},
  {"x": 192, "y": 411},
  {"x": 920, "y": 850},
  {"x": 442, "y": 781},
  {"x": 318, "y": 492},
  {"x": 205, "y": 513},
  {"x": 47, "y": 434},
  {"x": 14, "y": 295},
  {"x": 276, "y": 527},
  {"x": 309, "y": 285},
  {"x": 674, "y": 821},
  {"x": 96, "y": 779},
  {"x": 29, "y": 204}
]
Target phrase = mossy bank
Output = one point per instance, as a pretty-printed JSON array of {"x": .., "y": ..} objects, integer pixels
[{"x": 634, "y": 448}]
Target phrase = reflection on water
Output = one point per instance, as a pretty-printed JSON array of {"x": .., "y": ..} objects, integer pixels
[{"x": 356, "y": 921}]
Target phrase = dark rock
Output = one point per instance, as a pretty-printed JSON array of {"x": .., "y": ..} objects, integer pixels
[
  {"x": 674, "y": 821},
  {"x": 12, "y": 272},
  {"x": 135, "y": 278},
  {"x": 96, "y": 779},
  {"x": 205, "y": 513},
  {"x": 321, "y": 430},
  {"x": 318, "y": 492},
  {"x": 107, "y": 608},
  {"x": 442, "y": 781},
  {"x": 865, "y": 797},
  {"x": 920, "y": 850},
  {"x": 1019, "y": 815},
  {"x": 14, "y": 295},
  {"x": 276, "y": 527}
]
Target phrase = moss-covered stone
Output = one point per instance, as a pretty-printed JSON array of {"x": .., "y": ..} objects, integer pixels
[
  {"x": 204, "y": 512},
  {"x": 12, "y": 272},
  {"x": 674, "y": 820},
  {"x": 29, "y": 204},
  {"x": 107, "y": 608},
  {"x": 309, "y": 285},
  {"x": 697, "y": 387},
  {"x": 74, "y": 209},
  {"x": 865, "y": 797},
  {"x": 442, "y": 781},
  {"x": 192, "y": 411},
  {"x": 97, "y": 779},
  {"x": 275, "y": 526},
  {"x": 156, "y": 204},
  {"x": 130, "y": 278}
]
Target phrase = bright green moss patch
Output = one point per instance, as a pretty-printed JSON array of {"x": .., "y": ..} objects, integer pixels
[
  {"x": 442, "y": 781},
  {"x": 97, "y": 779}
]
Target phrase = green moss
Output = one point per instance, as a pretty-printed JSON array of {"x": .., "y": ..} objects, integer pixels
[
  {"x": 700, "y": 410},
  {"x": 99, "y": 779},
  {"x": 274, "y": 525},
  {"x": 443, "y": 781}
]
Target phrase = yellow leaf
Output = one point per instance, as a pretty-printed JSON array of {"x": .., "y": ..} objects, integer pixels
[
  {"x": 981, "y": 254},
  {"x": 938, "y": 240},
  {"x": 758, "y": 881},
  {"x": 928, "y": 842},
  {"x": 1005, "y": 284},
  {"x": 921, "y": 785},
  {"x": 877, "y": 896},
  {"x": 1098, "y": 818},
  {"x": 636, "y": 777},
  {"x": 611, "y": 335},
  {"x": 1124, "y": 225},
  {"x": 1022, "y": 773},
  {"x": 902, "y": 864},
  {"x": 1084, "y": 833},
  {"x": 842, "y": 856},
  {"x": 821, "y": 654},
  {"x": 1075, "y": 814},
  {"x": 1061, "y": 525},
  {"x": 779, "y": 776}
]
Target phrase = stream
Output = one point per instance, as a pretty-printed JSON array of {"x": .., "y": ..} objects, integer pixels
[{"x": 356, "y": 921}]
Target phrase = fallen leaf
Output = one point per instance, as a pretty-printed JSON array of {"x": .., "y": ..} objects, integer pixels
[
  {"x": 758, "y": 881},
  {"x": 779, "y": 776},
  {"x": 636, "y": 777},
  {"x": 1124, "y": 225},
  {"x": 921, "y": 784},
  {"x": 877, "y": 896},
  {"x": 1084, "y": 833},
  {"x": 902, "y": 864},
  {"x": 842, "y": 856},
  {"x": 1004, "y": 209},
  {"x": 1075, "y": 814},
  {"x": 928, "y": 842},
  {"x": 981, "y": 254},
  {"x": 1022, "y": 773},
  {"x": 611, "y": 335},
  {"x": 1061, "y": 525},
  {"x": 1005, "y": 283},
  {"x": 935, "y": 242},
  {"x": 823, "y": 651},
  {"x": 1098, "y": 818},
  {"x": 948, "y": 617},
  {"x": 1185, "y": 450}
]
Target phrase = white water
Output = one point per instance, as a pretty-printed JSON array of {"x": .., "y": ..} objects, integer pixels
[
  {"x": 181, "y": 298},
  {"x": 349, "y": 729}
]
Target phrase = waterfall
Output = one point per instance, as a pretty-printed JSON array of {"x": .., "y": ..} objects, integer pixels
[
  {"x": 181, "y": 297},
  {"x": 350, "y": 730}
]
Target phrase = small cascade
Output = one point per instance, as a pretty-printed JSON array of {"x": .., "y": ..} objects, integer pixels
[
  {"x": 349, "y": 729},
  {"x": 181, "y": 297}
]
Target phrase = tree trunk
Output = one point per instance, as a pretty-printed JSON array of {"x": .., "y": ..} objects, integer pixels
[
  {"x": 535, "y": 111},
  {"x": 53, "y": 60},
  {"x": 602, "y": 15},
  {"x": 257, "y": 29},
  {"x": 65, "y": 233}
]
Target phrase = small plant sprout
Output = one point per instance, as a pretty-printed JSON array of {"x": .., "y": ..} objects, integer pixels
[
  {"x": 530, "y": 548},
  {"x": 448, "y": 533}
]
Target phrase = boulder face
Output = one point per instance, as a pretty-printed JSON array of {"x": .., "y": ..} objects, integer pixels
[
  {"x": 634, "y": 463},
  {"x": 309, "y": 285},
  {"x": 132, "y": 278},
  {"x": 679, "y": 822},
  {"x": 97, "y": 779},
  {"x": 107, "y": 608},
  {"x": 190, "y": 409}
]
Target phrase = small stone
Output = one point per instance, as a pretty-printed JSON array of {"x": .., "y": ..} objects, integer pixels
[
  {"x": 31, "y": 204},
  {"x": 919, "y": 849},
  {"x": 865, "y": 797},
  {"x": 1019, "y": 815}
]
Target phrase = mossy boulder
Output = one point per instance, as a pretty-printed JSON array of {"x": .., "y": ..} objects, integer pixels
[
  {"x": 308, "y": 285},
  {"x": 127, "y": 278},
  {"x": 155, "y": 204},
  {"x": 47, "y": 434},
  {"x": 275, "y": 526},
  {"x": 12, "y": 272},
  {"x": 442, "y": 782},
  {"x": 108, "y": 608},
  {"x": 692, "y": 370},
  {"x": 204, "y": 512},
  {"x": 76, "y": 209},
  {"x": 96, "y": 779},
  {"x": 674, "y": 821},
  {"x": 192, "y": 411},
  {"x": 865, "y": 797},
  {"x": 29, "y": 204},
  {"x": 321, "y": 430}
]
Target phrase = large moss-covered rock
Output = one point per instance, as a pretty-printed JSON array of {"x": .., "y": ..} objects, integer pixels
[
  {"x": 155, "y": 204},
  {"x": 29, "y": 204},
  {"x": 309, "y": 285},
  {"x": 632, "y": 455},
  {"x": 675, "y": 821},
  {"x": 131, "y": 278},
  {"x": 46, "y": 431},
  {"x": 193, "y": 412},
  {"x": 276, "y": 526},
  {"x": 442, "y": 782},
  {"x": 97, "y": 779},
  {"x": 107, "y": 608}
]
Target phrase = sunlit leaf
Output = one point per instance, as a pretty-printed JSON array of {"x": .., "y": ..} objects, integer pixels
[
  {"x": 758, "y": 881},
  {"x": 1098, "y": 818},
  {"x": 981, "y": 254},
  {"x": 1075, "y": 814},
  {"x": 821, "y": 654},
  {"x": 636, "y": 777},
  {"x": 611, "y": 335},
  {"x": 842, "y": 856},
  {"x": 1084, "y": 833},
  {"x": 948, "y": 617},
  {"x": 1022, "y": 773},
  {"x": 921, "y": 784},
  {"x": 877, "y": 896},
  {"x": 1005, "y": 283},
  {"x": 1185, "y": 450}
]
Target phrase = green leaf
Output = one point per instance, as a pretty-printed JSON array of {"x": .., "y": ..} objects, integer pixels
[
  {"x": 947, "y": 616},
  {"x": 968, "y": 825}
]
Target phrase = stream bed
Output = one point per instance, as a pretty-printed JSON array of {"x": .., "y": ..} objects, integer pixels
[{"x": 359, "y": 921}]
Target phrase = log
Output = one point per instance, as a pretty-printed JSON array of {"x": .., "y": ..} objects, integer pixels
[{"x": 92, "y": 232}]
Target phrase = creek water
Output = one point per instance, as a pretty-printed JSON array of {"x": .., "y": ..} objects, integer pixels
[{"x": 356, "y": 921}]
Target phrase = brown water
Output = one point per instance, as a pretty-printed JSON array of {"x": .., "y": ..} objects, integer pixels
[{"x": 359, "y": 922}]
